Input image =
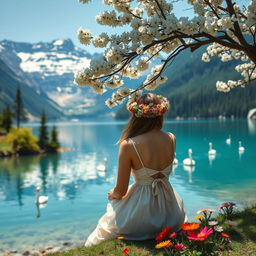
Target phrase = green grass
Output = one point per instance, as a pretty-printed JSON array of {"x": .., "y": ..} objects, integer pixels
[{"x": 243, "y": 241}]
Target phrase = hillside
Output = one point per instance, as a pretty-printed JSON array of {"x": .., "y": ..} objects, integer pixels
[
  {"x": 192, "y": 92},
  {"x": 33, "y": 102},
  {"x": 48, "y": 68}
]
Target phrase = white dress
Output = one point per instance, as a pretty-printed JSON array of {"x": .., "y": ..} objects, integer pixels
[{"x": 149, "y": 205}]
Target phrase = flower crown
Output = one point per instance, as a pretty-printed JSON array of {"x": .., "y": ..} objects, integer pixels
[{"x": 150, "y": 110}]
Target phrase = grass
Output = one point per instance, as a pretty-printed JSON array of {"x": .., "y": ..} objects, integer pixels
[{"x": 243, "y": 241}]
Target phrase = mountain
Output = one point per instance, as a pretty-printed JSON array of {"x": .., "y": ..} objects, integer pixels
[
  {"x": 33, "y": 102},
  {"x": 48, "y": 67},
  {"x": 191, "y": 89}
]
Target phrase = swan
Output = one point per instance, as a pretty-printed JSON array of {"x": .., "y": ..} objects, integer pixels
[
  {"x": 240, "y": 148},
  {"x": 211, "y": 150},
  {"x": 102, "y": 167},
  {"x": 40, "y": 199},
  {"x": 189, "y": 161},
  {"x": 228, "y": 140}
]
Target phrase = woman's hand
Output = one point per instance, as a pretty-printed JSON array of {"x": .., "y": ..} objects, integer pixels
[{"x": 113, "y": 194}]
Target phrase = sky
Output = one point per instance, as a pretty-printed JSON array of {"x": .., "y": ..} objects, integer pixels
[{"x": 46, "y": 20}]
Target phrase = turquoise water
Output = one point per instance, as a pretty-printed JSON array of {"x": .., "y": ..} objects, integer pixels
[{"x": 78, "y": 193}]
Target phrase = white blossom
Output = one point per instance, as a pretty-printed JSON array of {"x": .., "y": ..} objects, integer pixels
[
  {"x": 154, "y": 31},
  {"x": 84, "y": 36}
]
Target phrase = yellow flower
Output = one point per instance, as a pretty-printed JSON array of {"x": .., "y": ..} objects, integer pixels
[
  {"x": 166, "y": 243},
  {"x": 146, "y": 108},
  {"x": 198, "y": 217}
]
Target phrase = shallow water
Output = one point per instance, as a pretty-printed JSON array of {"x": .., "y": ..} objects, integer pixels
[{"x": 78, "y": 192}]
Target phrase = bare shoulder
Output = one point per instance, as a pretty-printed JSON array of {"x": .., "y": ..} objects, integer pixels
[
  {"x": 125, "y": 146},
  {"x": 171, "y": 135}
]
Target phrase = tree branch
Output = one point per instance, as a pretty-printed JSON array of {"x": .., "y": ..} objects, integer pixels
[{"x": 160, "y": 8}]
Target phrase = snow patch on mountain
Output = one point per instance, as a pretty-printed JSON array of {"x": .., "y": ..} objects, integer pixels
[{"x": 51, "y": 63}]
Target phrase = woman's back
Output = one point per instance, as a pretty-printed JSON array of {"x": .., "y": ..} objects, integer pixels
[{"x": 155, "y": 148}]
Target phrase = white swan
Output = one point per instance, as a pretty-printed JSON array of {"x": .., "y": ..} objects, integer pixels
[
  {"x": 189, "y": 161},
  {"x": 211, "y": 150},
  {"x": 102, "y": 167},
  {"x": 240, "y": 147},
  {"x": 228, "y": 140},
  {"x": 40, "y": 199}
]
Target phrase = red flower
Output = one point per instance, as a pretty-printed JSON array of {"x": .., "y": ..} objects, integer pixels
[
  {"x": 179, "y": 247},
  {"x": 126, "y": 251},
  {"x": 163, "y": 234},
  {"x": 173, "y": 234},
  {"x": 201, "y": 236},
  {"x": 190, "y": 226},
  {"x": 225, "y": 235}
]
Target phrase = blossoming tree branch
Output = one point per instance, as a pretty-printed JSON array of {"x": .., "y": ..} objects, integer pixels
[{"x": 229, "y": 31}]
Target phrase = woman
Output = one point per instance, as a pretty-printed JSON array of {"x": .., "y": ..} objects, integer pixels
[{"x": 141, "y": 211}]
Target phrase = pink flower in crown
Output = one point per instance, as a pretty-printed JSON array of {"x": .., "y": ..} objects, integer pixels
[
  {"x": 158, "y": 106},
  {"x": 141, "y": 106}
]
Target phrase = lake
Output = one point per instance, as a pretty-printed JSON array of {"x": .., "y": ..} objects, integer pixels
[{"x": 78, "y": 192}]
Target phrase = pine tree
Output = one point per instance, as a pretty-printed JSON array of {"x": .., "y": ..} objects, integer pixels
[
  {"x": 54, "y": 135},
  {"x": 20, "y": 112},
  {"x": 7, "y": 119},
  {"x": 43, "y": 132}
]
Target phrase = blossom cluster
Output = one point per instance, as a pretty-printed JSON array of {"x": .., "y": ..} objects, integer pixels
[{"x": 156, "y": 29}]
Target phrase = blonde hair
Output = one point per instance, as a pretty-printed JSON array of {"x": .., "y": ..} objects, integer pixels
[{"x": 140, "y": 125}]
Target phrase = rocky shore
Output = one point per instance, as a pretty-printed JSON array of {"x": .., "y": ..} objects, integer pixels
[{"x": 40, "y": 252}]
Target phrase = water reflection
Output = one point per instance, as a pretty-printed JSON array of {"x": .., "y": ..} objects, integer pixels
[
  {"x": 251, "y": 126},
  {"x": 190, "y": 170},
  {"x": 211, "y": 159},
  {"x": 21, "y": 176}
]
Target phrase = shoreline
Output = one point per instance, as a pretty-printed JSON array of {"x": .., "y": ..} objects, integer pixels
[{"x": 42, "y": 251}]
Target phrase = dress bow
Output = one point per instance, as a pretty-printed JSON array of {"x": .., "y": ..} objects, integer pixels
[{"x": 167, "y": 189}]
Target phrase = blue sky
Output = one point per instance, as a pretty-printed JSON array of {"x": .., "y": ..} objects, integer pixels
[{"x": 46, "y": 20}]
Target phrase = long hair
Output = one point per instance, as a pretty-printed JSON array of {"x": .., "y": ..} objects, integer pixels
[{"x": 140, "y": 125}]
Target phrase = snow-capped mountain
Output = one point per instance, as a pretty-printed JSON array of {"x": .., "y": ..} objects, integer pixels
[{"x": 49, "y": 68}]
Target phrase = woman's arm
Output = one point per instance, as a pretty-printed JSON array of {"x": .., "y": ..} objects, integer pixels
[{"x": 124, "y": 170}]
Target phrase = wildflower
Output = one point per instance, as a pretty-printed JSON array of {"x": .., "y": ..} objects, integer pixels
[
  {"x": 163, "y": 234},
  {"x": 204, "y": 210},
  {"x": 199, "y": 217},
  {"x": 166, "y": 243},
  {"x": 179, "y": 247},
  {"x": 213, "y": 223},
  {"x": 225, "y": 235},
  {"x": 218, "y": 228},
  {"x": 202, "y": 235},
  {"x": 173, "y": 234},
  {"x": 226, "y": 205},
  {"x": 126, "y": 251},
  {"x": 189, "y": 226}
]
